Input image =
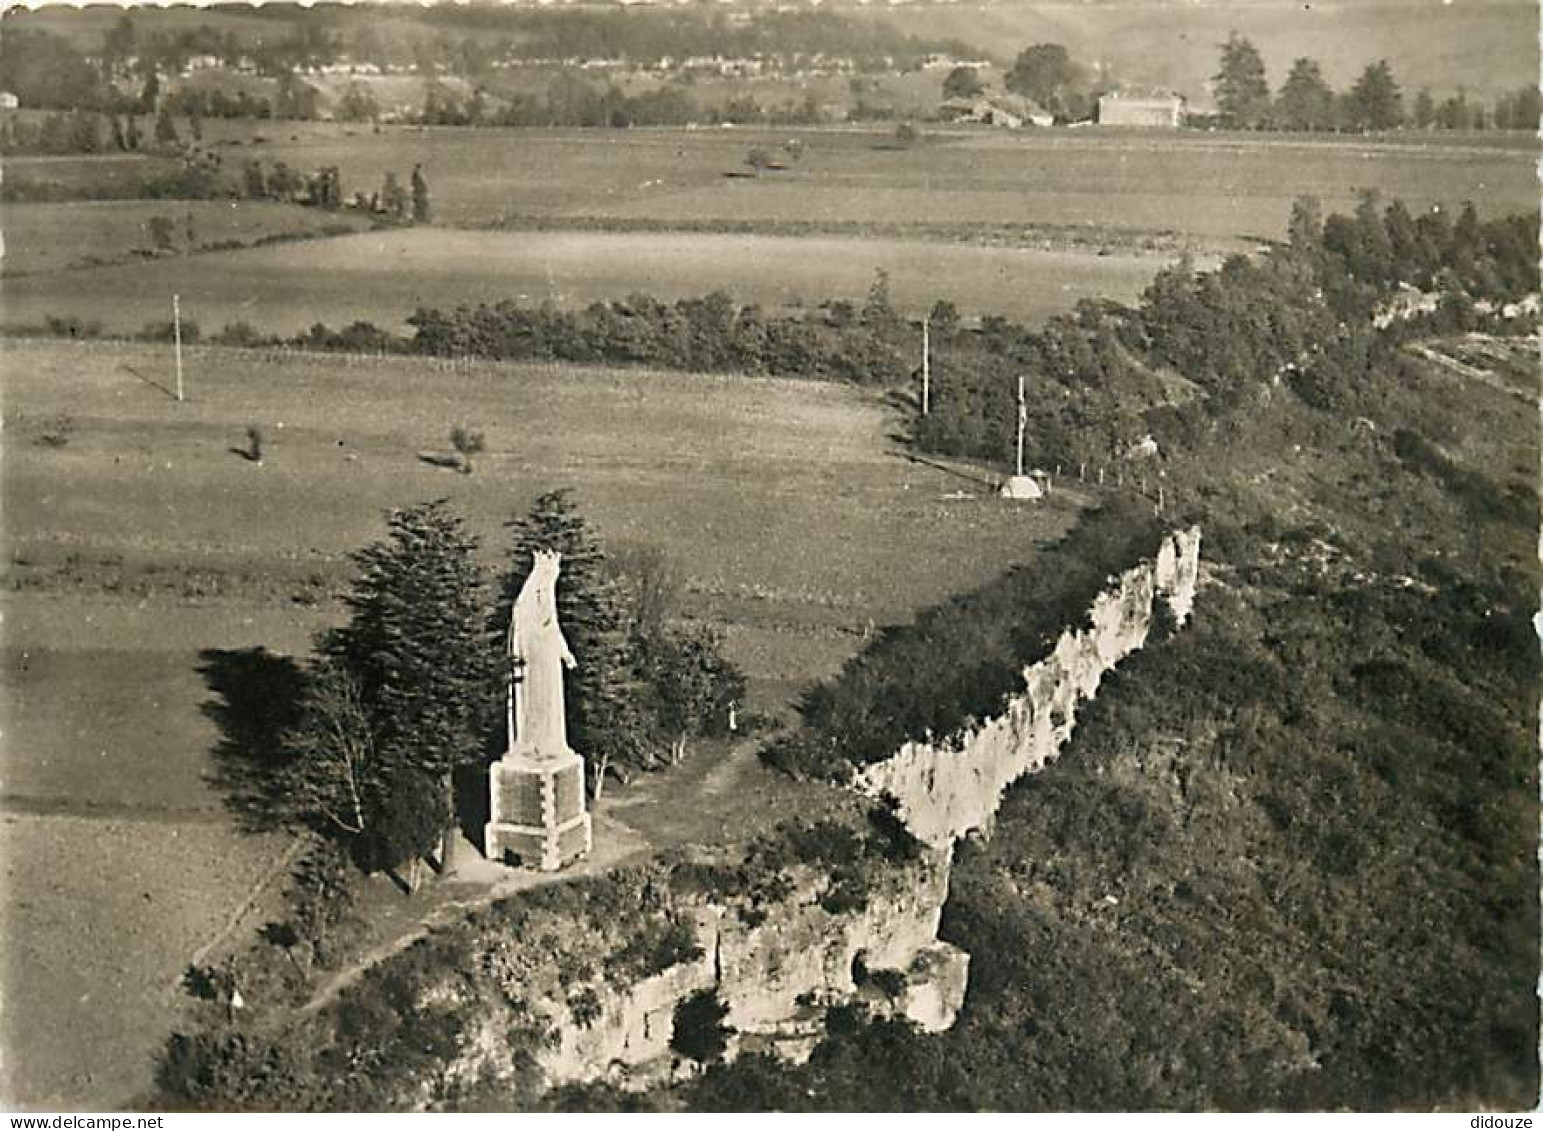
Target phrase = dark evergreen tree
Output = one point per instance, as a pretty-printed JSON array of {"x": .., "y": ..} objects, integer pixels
[
  {"x": 1305, "y": 228},
  {"x": 878, "y": 315},
  {"x": 420, "y": 189},
  {"x": 1306, "y": 101},
  {"x": 427, "y": 683},
  {"x": 1424, "y": 116},
  {"x": 1375, "y": 102},
  {"x": 605, "y": 721},
  {"x": 1455, "y": 113},
  {"x": 1242, "y": 94},
  {"x": 252, "y": 178},
  {"x": 85, "y": 132}
]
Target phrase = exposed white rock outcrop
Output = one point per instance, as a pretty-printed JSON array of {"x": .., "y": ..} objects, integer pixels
[
  {"x": 778, "y": 976},
  {"x": 945, "y": 790}
]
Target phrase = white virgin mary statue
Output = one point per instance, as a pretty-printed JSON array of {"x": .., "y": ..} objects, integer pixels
[{"x": 538, "y": 725}]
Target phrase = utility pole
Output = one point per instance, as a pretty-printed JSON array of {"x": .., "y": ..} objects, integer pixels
[
  {"x": 176, "y": 333},
  {"x": 926, "y": 365}
]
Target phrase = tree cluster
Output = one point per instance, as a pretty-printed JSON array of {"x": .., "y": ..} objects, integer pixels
[
  {"x": 410, "y": 692},
  {"x": 646, "y": 683},
  {"x": 866, "y": 345},
  {"x": 1048, "y": 75},
  {"x": 1306, "y": 102},
  {"x": 1303, "y": 312},
  {"x": 399, "y": 698}
]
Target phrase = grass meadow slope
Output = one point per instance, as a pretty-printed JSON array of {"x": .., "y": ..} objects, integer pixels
[{"x": 154, "y": 574}]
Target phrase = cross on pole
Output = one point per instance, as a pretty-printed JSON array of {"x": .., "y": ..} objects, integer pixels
[{"x": 1023, "y": 421}]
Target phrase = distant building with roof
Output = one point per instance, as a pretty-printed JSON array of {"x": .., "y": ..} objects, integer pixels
[
  {"x": 1122, "y": 109},
  {"x": 1006, "y": 110}
]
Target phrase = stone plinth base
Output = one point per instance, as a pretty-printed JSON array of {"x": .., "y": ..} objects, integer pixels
[
  {"x": 539, "y": 819},
  {"x": 1021, "y": 487}
]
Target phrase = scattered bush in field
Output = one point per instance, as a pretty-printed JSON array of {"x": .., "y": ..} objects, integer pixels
[
  {"x": 467, "y": 444},
  {"x": 208, "y": 983},
  {"x": 240, "y": 334},
  {"x": 163, "y": 232},
  {"x": 72, "y": 326},
  {"x": 167, "y": 332},
  {"x": 56, "y": 431},
  {"x": 357, "y": 337}
]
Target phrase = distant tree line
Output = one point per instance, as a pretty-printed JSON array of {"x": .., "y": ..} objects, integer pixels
[
  {"x": 866, "y": 344},
  {"x": 199, "y": 174},
  {"x": 1306, "y": 102}
]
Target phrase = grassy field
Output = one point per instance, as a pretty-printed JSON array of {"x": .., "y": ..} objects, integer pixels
[
  {"x": 147, "y": 560},
  {"x": 48, "y": 237},
  {"x": 382, "y": 276},
  {"x": 1109, "y": 209},
  {"x": 1199, "y": 185}
]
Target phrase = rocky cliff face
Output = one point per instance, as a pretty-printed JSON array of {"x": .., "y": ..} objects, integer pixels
[
  {"x": 778, "y": 976},
  {"x": 777, "y": 970},
  {"x": 945, "y": 790}
]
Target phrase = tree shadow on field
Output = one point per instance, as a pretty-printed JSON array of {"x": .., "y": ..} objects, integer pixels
[{"x": 256, "y": 698}]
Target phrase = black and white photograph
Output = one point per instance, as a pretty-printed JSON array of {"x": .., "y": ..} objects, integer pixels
[{"x": 764, "y": 556}]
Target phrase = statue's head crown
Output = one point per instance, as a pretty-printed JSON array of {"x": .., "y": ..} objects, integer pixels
[{"x": 544, "y": 563}]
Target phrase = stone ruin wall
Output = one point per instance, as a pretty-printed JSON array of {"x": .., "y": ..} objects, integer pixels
[
  {"x": 777, "y": 977},
  {"x": 945, "y": 790}
]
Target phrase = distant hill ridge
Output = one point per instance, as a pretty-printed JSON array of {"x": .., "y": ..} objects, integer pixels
[{"x": 1485, "y": 46}]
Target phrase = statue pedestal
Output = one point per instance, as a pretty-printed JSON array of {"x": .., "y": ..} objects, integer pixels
[{"x": 538, "y": 811}]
